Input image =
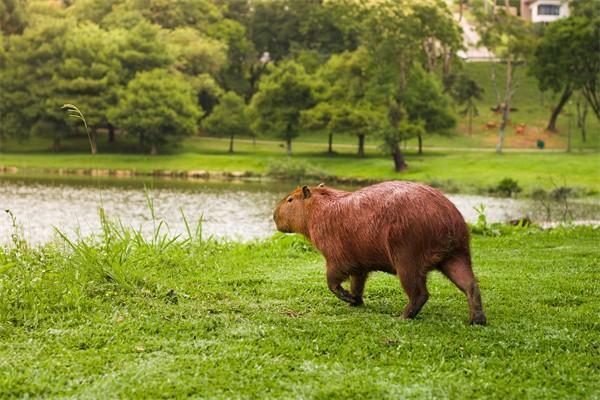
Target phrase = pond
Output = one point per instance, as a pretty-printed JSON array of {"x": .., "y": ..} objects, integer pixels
[{"x": 238, "y": 211}]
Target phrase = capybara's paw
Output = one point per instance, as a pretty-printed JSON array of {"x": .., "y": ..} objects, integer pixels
[
  {"x": 478, "y": 319},
  {"x": 356, "y": 302}
]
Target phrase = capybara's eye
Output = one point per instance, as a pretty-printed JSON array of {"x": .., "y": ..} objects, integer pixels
[{"x": 290, "y": 200}]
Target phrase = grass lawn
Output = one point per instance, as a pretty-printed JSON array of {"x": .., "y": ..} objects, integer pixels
[
  {"x": 120, "y": 317},
  {"x": 465, "y": 171}
]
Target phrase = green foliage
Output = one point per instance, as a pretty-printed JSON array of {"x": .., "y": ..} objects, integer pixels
[
  {"x": 28, "y": 81},
  {"x": 12, "y": 16},
  {"x": 507, "y": 187},
  {"x": 277, "y": 26},
  {"x": 564, "y": 58},
  {"x": 90, "y": 73},
  {"x": 228, "y": 118},
  {"x": 506, "y": 35},
  {"x": 283, "y": 94},
  {"x": 140, "y": 49},
  {"x": 424, "y": 101},
  {"x": 158, "y": 108}
]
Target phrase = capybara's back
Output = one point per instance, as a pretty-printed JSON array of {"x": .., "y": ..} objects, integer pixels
[
  {"x": 375, "y": 226},
  {"x": 403, "y": 228}
]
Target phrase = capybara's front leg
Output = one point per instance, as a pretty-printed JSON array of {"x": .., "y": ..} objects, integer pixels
[
  {"x": 334, "y": 282},
  {"x": 357, "y": 287}
]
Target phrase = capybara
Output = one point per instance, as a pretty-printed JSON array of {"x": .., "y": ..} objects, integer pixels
[{"x": 402, "y": 228}]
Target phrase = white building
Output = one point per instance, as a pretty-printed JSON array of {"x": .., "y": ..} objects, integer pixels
[{"x": 544, "y": 10}]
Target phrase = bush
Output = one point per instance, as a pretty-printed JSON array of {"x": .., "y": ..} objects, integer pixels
[{"x": 507, "y": 187}]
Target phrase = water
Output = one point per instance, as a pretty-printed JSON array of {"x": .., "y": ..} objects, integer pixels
[{"x": 235, "y": 211}]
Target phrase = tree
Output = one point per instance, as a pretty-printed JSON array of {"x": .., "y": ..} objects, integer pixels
[
  {"x": 158, "y": 108},
  {"x": 198, "y": 14},
  {"x": 13, "y": 16},
  {"x": 342, "y": 118},
  {"x": 229, "y": 118},
  {"x": 29, "y": 102},
  {"x": 277, "y": 26},
  {"x": 346, "y": 101},
  {"x": 140, "y": 49},
  {"x": 465, "y": 91},
  {"x": 282, "y": 95},
  {"x": 89, "y": 74},
  {"x": 438, "y": 33},
  {"x": 564, "y": 62},
  {"x": 397, "y": 129},
  {"x": 200, "y": 59},
  {"x": 425, "y": 102},
  {"x": 509, "y": 37}
]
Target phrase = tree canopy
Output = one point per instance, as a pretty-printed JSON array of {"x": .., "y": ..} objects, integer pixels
[{"x": 157, "y": 107}]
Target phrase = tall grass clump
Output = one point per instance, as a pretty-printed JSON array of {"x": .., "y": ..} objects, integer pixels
[{"x": 69, "y": 274}]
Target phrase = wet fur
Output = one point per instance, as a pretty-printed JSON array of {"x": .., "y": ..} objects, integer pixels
[{"x": 403, "y": 228}]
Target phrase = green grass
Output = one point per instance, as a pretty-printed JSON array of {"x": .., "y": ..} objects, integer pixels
[
  {"x": 123, "y": 317},
  {"x": 464, "y": 171},
  {"x": 533, "y": 110}
]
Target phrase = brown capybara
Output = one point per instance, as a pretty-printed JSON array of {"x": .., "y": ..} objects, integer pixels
[{"x": 402, "y": 228}]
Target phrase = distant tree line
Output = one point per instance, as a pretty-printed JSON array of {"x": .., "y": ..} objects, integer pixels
[{"x": 162, "y": 70}]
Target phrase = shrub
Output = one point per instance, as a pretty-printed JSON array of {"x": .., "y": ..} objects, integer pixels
[{"x": 507, "y": 187}]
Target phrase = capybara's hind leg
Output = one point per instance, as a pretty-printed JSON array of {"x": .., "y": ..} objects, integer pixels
[
  {"x": 334, "y": 282},
  {"x": 459, "y": 271},
  {"x": 357, "y": 287},
  {"x": 415, "y": 286}
]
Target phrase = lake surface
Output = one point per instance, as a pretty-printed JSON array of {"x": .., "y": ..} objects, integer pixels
[{"x": 237, "y": 211}]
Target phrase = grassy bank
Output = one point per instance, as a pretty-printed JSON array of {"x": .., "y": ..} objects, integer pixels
[
  {"x": 124, "y": 317},
  {"x": 464, "y": 171}
]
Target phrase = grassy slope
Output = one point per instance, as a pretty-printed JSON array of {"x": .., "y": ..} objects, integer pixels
[{"x": 257, "y": 321}]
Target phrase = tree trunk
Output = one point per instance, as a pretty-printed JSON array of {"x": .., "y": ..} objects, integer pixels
[
  {"x": 288, "y": 142},
  {"x": 142, "y": 144},
  {"x": 505, "y": 106},
  {"x": 361, "y": 145},
  {"x": 56, "y": 144},
  {"x": 494, "y": 80},
  {"x": 569, "y": 133},
  {"x": 470, "y": 121},
  {"x": 561, "y": 103},
  {"x": 330, "y": 148},
  {"x": 111, "y": 133},
  {"x": 592, "y": 95},
  {"x": 399, "y": 163},
  {"x": 1, "y": 141},
  {"x": 231, "y": 144},
  {"x": 460, "y": 11},
  {"x": 153, "y": 149},
  {"x": 447, "y": 67},
  {"x": 582, "y": 111},
  {"x": 420, "y": 138}
]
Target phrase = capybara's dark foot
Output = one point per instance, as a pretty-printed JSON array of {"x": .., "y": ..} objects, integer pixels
[
  {"x": 478, "y": 319},
  {"x": 357, "y": 302}
]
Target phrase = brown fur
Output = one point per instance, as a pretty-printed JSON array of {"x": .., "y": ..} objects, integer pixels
[{"x": 402, "y": 228}]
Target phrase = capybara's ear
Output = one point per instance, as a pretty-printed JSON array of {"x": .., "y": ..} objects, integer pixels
[
  {"x": 306, "y": 191},
  {"x": 321, "y": 184}
]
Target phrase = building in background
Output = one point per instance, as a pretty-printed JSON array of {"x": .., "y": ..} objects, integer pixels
[{"x": 544, "y": 10}]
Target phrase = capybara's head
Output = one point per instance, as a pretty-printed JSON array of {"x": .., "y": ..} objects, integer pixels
[{"x": 290, "y": 215}]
